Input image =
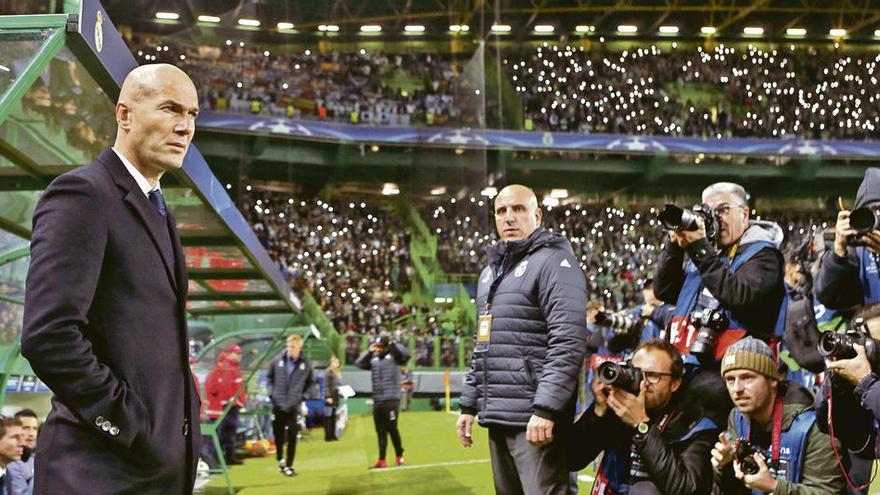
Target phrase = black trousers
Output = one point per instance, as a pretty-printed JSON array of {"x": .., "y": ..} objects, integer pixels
[
  {"x": 385, "y": 419},
  {"x": 226, "y": 432},
  {"x": 329, "y": 423},
  {"x": 285, "y": 427}
]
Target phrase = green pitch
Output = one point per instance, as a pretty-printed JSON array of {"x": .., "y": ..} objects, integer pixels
[{"x": 435, "y": 463}]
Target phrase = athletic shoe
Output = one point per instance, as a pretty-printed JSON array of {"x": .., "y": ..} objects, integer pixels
[
  {"x": 282, "y": 465},
  {"x": 400, "y": 460},
  {"x": 379, "y": 464},
  {"x": 288, "y": 471}
]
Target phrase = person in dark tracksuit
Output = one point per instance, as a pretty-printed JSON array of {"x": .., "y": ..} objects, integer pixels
[
  {"x": 531, "y": 340},
  {"x": 384, "y": 358},
  {"x": 331, "y": 398},
  {"x": 288, "y": 378}
]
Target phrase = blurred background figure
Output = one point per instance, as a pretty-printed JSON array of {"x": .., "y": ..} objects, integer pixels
[
  {"x": 332, "y": 377},
  {"x": 222, "y": 385}
]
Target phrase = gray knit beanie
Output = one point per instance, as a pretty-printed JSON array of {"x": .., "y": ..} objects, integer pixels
[{"x": 751, "y": 354}]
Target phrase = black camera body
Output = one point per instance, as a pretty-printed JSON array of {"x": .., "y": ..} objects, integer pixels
[
  {"x": 621, "y": 323},
  {"x": 622, "y": 376},
  {"x": 840, "y": 346},
  {"x": 674, "y": 217},
  {"x": 710, "y": 323},
  {"x": 744, "y": 453}
]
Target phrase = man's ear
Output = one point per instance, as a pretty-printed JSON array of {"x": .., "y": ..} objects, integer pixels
[
  {"x": 538, "y": 216},
  {"x": 123, "y": 115}
]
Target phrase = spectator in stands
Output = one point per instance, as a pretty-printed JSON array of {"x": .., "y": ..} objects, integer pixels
[
  {"x": 332, "y": 376},
  {"x": 532, "y": 303},
  {"x": 288, "y": 379},
  {"x": 21, "y": 472},
  {"x": 223, "y": 384},
  {"x": 11, "y": 448},
  {"x": 407, "y": 386},
  {"x": 743, "y": 92},
  {"x": 383, "y": 359}
]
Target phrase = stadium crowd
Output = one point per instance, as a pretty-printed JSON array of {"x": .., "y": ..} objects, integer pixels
[
  {"x": 359, "y": 88},
  {"x": 353, "y": 256},
  {"x": 721, "y": 92}
]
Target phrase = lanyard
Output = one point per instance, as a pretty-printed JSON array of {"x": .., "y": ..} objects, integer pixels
[
  {"x": 775, "y": 432},
  {"x": 499, "y": 276}
]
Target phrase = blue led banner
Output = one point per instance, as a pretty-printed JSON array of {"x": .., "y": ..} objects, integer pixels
[{"x": 495, "y": 139}]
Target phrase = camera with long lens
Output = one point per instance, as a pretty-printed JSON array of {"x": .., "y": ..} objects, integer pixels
[
  {"x": 674, "y": 217},
  {"x": 621, "y": 323},
  {"x": 863, "y": 220},
  {"x": 840, "y": 346},
  {"x": 622, "y": 376},
  {"x": 744, "y": 453},
  {"x": 710, "y": 323}
]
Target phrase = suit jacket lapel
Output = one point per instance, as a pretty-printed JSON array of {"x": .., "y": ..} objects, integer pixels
[{"x": 138, "y": 202}]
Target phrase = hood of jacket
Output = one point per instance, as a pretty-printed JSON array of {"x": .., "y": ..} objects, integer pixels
[
  {"x": 869, "y": 190},
  {"x": 762, "y": 230},
  {"x": 796, "y": 398}
]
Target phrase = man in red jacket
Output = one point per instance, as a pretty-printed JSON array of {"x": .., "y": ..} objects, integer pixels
[{"x": 221, "y": 385}]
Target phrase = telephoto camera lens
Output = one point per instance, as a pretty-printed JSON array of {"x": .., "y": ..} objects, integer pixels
[
  {"x": 838, "y": 345},
  {"x": 677, "y": 218},
  {"x": 863, "y": 220},
  {"x": 620, "y": 376},
  {"x": 622, "y": 323}
]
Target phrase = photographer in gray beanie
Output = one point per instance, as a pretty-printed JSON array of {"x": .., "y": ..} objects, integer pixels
[{"x": 772, "y": 443}]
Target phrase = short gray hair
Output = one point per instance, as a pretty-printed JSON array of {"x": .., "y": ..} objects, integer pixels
[{"x": 727, "y": 187}]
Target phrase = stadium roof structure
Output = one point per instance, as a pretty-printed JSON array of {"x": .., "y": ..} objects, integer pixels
[
  {"x": 541, "y": 19},
  {"x": 59, "y": 77}
]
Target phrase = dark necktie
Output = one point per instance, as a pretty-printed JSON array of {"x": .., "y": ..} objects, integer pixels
[{"x": 158, "y": 201}]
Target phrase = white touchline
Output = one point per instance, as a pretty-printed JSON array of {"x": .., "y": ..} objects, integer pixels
[{"x": 419, "y": 466}]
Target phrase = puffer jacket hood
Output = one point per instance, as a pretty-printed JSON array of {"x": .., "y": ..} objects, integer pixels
[
  {"x": 869, "y": 190},
  {"x": 762, "y": 230}
]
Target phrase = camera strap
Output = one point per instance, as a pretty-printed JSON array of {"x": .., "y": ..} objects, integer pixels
[
  {"x": 840, "y": 464},
  {"x": 775, "y": 431}
]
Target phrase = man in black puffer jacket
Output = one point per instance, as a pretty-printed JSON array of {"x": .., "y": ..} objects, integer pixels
[
  {"x": 384, "y": 358},
  {"x": 530, "y": 344},
  {"x": 288, "y": 378}
]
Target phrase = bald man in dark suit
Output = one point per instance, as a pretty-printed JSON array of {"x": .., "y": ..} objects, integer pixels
[{"x": 105, "y": 310}]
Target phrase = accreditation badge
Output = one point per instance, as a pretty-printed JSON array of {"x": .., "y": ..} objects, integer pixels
[{"x": 484, "y": 328}]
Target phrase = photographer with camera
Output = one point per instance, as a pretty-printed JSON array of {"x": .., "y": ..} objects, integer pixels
[
  {"x": 773, "y": 443},
  {"x": 653, "y": 442},
  {"x": 851, "y": 392},
  {"x": 383, "y": 359},
  {"x": 849, "y": 273},
  {"x": 731, "y": 287},
  {"x": 623, "y": 331}
]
